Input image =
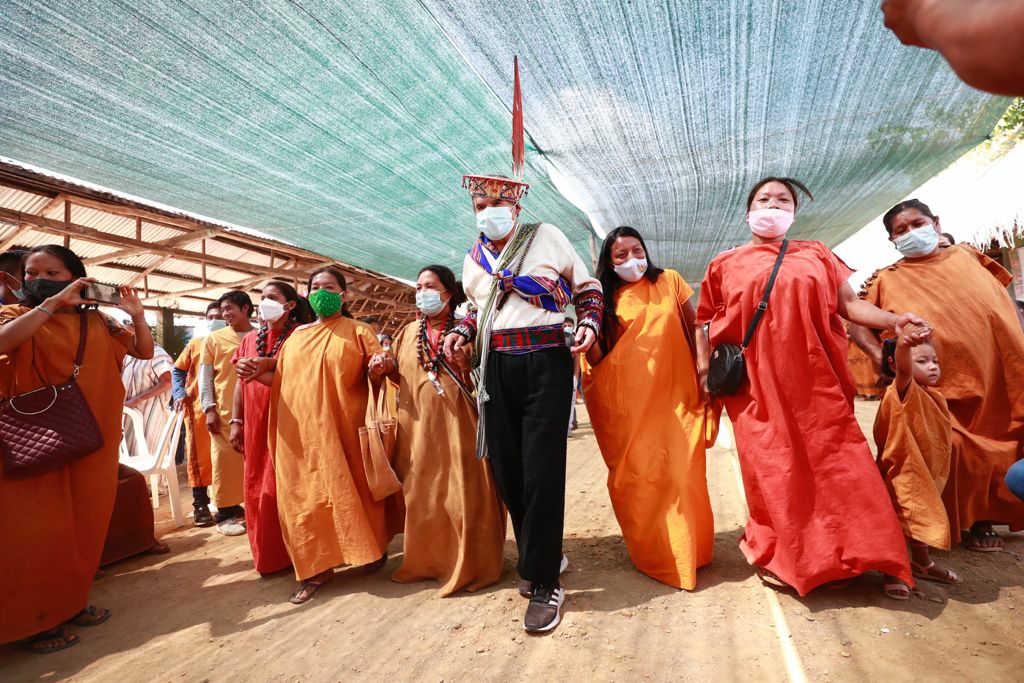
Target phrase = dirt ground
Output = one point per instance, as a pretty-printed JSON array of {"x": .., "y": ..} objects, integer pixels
[{"x": 203, "y": 614}]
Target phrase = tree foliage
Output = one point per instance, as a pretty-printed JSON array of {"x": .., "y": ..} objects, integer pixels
[{"x": 1012, "y": 124}]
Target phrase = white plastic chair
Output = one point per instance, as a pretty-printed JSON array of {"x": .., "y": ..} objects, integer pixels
[{"x": 159, "y": 463}]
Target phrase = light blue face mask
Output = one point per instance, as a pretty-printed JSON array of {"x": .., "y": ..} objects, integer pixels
[
  {"x": 918, "y": 242},
  {"x": 429, "y": 302},
  {"x": 217, "y": 325}
]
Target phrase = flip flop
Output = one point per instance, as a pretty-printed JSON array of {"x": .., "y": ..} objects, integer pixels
[
  {"x": 304, "y": 590},
  {"x": 979, "y": 536},
  {"x": 896, "y": 591},
  {"x": 770, "y": 578},
  {"x": 924, "y": 572},
  {"x": 59, "y": 634},
  {"x": 160, "y": 548},
  {"x": 90, "y": 616}
]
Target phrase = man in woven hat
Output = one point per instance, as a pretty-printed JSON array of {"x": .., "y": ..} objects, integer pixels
[{"x": 519, "y": 279}]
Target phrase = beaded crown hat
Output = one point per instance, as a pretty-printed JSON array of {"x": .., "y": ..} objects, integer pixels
[{"x": 496, "y": 187}]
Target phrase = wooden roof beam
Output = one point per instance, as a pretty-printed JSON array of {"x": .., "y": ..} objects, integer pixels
[
  {"x": 88, "y": 234},
  {"x": 152, "y": 247}
]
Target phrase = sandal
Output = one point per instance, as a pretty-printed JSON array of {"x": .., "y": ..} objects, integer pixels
[
  {"x": 90, "y": 616},
  {"x": 160, "y": 548},
  {"x": 975, "y": 539},
  {"x": 928, "y": 573},
  {"x": 63, "y": 641},
  {"x": 308, "y": 588},
  {"x": 897, "y": 590},
  {"x": 770, "y": 578}
]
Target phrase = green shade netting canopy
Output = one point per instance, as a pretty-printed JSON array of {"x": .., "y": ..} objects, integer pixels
[{"x": 344, "y": 127}]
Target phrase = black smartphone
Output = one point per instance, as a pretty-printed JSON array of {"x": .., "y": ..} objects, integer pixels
[
  {"x": 104, "y": 294},
  {"x": 570, "y": 336}
]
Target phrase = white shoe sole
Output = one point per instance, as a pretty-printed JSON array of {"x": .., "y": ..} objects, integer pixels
[{"x": 554, "y": 622}]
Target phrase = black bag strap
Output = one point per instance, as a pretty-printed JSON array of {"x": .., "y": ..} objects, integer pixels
[
  {"x": 763, "y": 306},
  {"x": 84, "y": 334}
]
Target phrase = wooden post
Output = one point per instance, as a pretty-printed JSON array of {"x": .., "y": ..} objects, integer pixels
[
  {"x": 203, "y": 265},
  {"x": 164, "y": 327},
  {"x": 138, "y": 227},
  {"x": 67, "y": 219}
]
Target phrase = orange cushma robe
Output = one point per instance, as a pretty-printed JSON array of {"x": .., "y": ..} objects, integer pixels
[
  {"x": 819, "y": 512},
  {"x": 454, "y": 521},
  {"x": 865, "y": 374},
  {"x": 317, "y": 405},
  {"x": 53, "y": 525},
  {"x": 980, "y": 345},
  {"x": 913, "y": 439},
  {"x": 200, "y": 468},
  {"x": 227, "y": 464},
  {"x": 649, "y": 419}
]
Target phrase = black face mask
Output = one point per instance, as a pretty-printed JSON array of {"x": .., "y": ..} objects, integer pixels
[{"x": 39, "y": 290}]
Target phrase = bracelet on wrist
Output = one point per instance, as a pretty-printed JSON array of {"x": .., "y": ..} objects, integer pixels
[
  {"x": 45, "y": 310},
  {"x": 236, "y": 421}
]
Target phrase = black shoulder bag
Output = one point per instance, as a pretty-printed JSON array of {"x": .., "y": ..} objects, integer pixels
[{"x": 727, "y": 368}]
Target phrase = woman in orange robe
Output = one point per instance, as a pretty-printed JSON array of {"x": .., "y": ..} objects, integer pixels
[
  {"x": 650, "y": 419},
  {"x": 318, "y": 400},
  {"x": 53, "y": 525},
  {"x": 454, "y": 520},
  {"x": 281, "y": 310},
  {"x": 818, "y": 511},
  {"x": 865, "y": 375},
  {"x": 962, "y": 293}
]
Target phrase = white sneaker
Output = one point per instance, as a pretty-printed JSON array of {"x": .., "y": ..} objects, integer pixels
[{"x": 232, "y": 527}]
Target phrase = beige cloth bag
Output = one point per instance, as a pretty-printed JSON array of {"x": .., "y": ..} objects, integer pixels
[{"x": 377, "y": 443}]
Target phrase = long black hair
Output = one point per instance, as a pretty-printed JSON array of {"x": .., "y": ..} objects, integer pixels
[
  {"x": 302, "y": 313},
  {"x": 611, "y": 282},
  {"x": 448, "y": 281},
  {"x": 342, "y": 284},
  {"x": 68, "y": 258}
]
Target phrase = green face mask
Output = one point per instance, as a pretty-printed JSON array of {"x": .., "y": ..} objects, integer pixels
[{"x": 325, "y": 303}]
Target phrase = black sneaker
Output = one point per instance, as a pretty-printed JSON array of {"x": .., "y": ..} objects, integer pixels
[
  {"x": 544, "y": 611},
  {"x": 203, "y": 516}
]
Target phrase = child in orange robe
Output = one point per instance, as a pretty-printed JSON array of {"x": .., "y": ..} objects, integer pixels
[{"x": 913, "y": 432}]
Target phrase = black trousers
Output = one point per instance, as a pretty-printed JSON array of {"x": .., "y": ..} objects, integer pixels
[{"x": 526, "y": 419}]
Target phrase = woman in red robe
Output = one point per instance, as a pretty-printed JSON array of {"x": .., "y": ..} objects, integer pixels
[
  {"x": 818, "y": 510},
  {"x": 281, "y": 311}
]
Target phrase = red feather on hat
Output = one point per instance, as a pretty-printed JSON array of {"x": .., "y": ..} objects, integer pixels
[{"x": 518, "y": 143}]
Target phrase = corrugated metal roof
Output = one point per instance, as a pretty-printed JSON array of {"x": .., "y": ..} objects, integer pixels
[{"x": 168, "y": 272}]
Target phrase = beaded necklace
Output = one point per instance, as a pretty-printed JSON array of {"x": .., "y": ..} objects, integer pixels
[
  {"x": 430, "y": 356},
  {"x": 261, "y": 339}
]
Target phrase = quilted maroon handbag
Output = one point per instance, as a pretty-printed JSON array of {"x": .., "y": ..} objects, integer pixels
[{"x": 47, "y": 428}]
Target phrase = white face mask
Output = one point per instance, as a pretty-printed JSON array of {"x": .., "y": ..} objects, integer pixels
[
  {"x": 632, "y": 270},
  {"x": 271, "y": 310},
  {"x": 918, "y": 242},
  {"x": 429, "y": 302},
  {"x": 207, "y": 326},
  {"x": 770, "y": 223},
  {"x": 495, "y": 222}
]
